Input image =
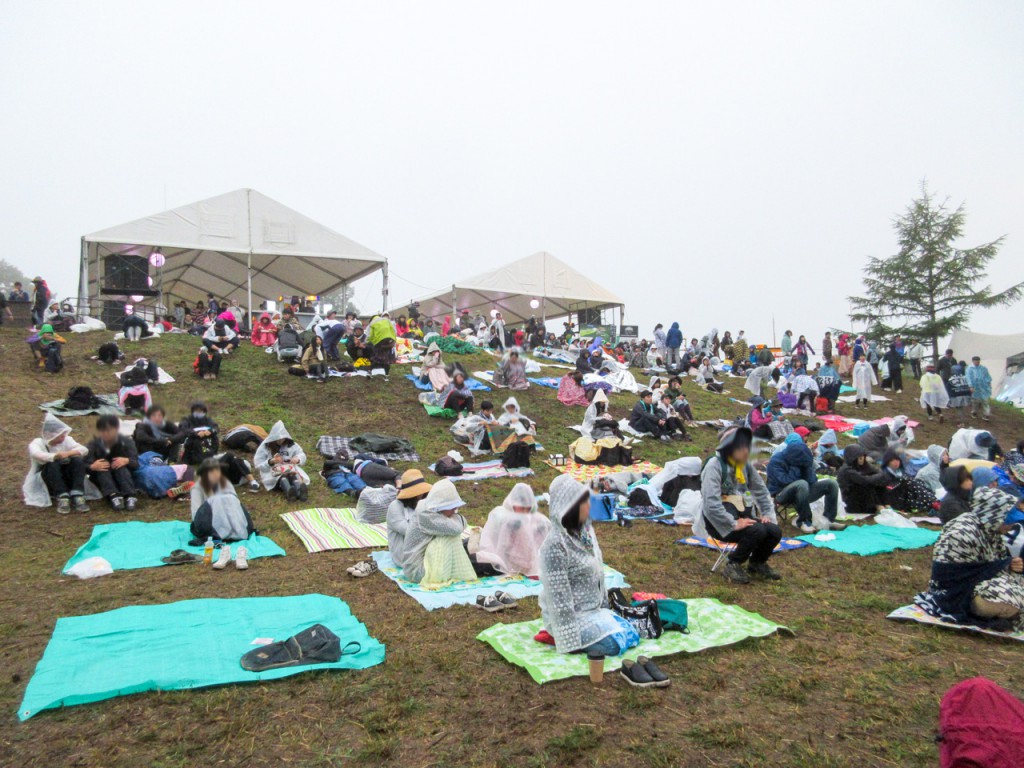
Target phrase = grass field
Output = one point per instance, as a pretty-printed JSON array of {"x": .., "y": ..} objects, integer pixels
[{"x": 848, "y": 689}]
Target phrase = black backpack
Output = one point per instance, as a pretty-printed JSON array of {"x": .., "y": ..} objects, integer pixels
[
  {"x": 448, "y": 467},
  {"x": 516, "y": 455},
  {"x": 134, "y": 376},
  {"x": 109, "y": 353},
  {"x": 81, "y": 399}
]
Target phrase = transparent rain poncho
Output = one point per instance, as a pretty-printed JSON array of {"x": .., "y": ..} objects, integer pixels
[
  {"x": 511, "y": 540},
  {"x": 573, "y": 601}
]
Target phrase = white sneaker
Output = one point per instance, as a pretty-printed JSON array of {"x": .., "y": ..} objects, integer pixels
[
  {"x": 225, "y": 557},
  {"x": 242, "y": 559},
  {"x": 806, "y": 527},
  {"x": 254, "y": 486}
]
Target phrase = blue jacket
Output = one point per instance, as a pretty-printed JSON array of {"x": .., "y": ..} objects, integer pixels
[
  {"x": 793, "y": 461},
  {"x": 674, "y": 337}
]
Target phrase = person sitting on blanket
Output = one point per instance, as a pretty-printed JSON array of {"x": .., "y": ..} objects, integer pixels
[
  {"x": 792, "y": 480},
  {"x": 199, "y": 435},
  {"x": 373, "y": 503},
  {"x": 432, "y": 371},
  {"x": 644, "y": 418},
  {"x": 938, "y": 460},
  {"x": 884, "y": 437},
  {"x": 513, "y": 534},
  {"x": 159, "y": 479},
  {"x": 112, "y": 459},
  {"x": 974, "y": 444},
  {"x": 265, "y": 332},
  {"x": 761, "y": 417},
  {"x": 314, "y": 360},
  {"x": 574, "y": 597},
  {"x": 279, "y": 461},
  {"x": 674, "y": 389},
  {"x": 959, "y": 485},
  {"x": 46, "y": 348},
  {"x": 511, "y": 372},
  {"x": 217, "y": 512},
  {"x": 673, "y": 424},
  {"x": 974, "y": 579},
  {"x": 413, "y": 488},
  {"x": 456, "y": 396},
  {"x": 359, "y": 347},
  {"x": 861, "y": 482},
  {"x": 58, "y": 469},
  {"x": 705, "y": 376},
  {"x": 738, "y": 508},
  {"x": 513, "y": 418},
  {"x": 905, "y": 493},
  {"x": 158, "y": 435},
  {"x": 434, "y": 555},
  {"x": 571, "y": 391},
  {"x": 827, "y": 454}
]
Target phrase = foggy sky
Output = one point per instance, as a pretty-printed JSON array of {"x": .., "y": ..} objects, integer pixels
[{"x": 712, "y": 163}]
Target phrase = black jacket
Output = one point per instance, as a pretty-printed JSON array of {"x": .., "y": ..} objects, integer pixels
[
  {"x": 957, "y": 500},
  {"x": 862, "y": 487},
  {"x": 146, "y": 441},
  {"x": 195, "y": 448},
  {"x": 123, "y": 448}
]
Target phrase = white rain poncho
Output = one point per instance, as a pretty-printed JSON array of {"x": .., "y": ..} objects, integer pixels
[
  {"x": 511, "y": 540},
  {"x": 804, "y": 383},
  {"x": 41, "y": 452},
  {"x": 270, "y": 474},
  {"x": 686, "y": 466},
  {"x": 220, "y": 514},
  {"x": 399, "y": 518},
  {"x": 430, "y": 527},
  {"x": 591, "y": 416},
  {"x": 933, "y": 391},
  {"x": 433, "y": 368},
  {"x": 373, "y": 503},
  {"x": 573, "y": 598},
  {"x": 762, "y": 374},
  {"x": 931, "y": 475},
  {"x": 516, "y": 420},
  {"x": 863, "y": 379},
  {"x": 964, "y": 444}
]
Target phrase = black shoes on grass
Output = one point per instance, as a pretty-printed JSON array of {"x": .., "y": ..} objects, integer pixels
[
  {"x": 737, "y": 574},
  {"x": 643, "y": 673},
  {"x": 763, "y": 571}
]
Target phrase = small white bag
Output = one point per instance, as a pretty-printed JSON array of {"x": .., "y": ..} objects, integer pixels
[{"x": 90, "y": 568}]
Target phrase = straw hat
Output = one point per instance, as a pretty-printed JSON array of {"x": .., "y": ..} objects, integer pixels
[{"x": 413, "y": 484}]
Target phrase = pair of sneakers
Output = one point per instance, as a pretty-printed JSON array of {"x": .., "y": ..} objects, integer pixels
[
  {"x": 297, "y": 492},
  {"x": 122, "y": 504},
  {"x": 809, "y": 528},
  {"x": 362, "y": 569},
  {"x": 65, "y": 504},
  {"x": 499, "y": 601},
  {"x": 241, "y": 558},
  {"x": 643, "y": 673},
  {"x": 737, "y": 574}
]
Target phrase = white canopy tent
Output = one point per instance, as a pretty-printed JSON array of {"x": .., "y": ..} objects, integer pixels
[
  {"x": 535, "y": 286},
  {"x": 994, "y": 350},
  {"x": 232, "y": 245}
]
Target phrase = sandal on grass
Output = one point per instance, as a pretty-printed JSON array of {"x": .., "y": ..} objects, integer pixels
[{"x": 180, "y": 557}]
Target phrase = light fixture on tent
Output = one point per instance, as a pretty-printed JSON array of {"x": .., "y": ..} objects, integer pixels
[
  {"x": 157, "y": 259},
  {"x": 136, "y": 299},
  {"x": 534, "y": 303},
  {"x": 494, "y": 313},
  {"x": 128, "y": 309},
  {"x": 149, "y": 280}
]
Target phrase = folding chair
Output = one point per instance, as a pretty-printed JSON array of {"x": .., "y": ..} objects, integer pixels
[{"x": 699, "y": 529}]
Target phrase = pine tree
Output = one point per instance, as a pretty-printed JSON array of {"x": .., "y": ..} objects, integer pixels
[{"x": 930, "y": 286}]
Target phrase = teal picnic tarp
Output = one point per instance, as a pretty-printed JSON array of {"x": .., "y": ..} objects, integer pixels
[
  {"x": 134, "y": 544},
  {"x": 188, "y": 644},
  {"x": 874, "y": 539}
]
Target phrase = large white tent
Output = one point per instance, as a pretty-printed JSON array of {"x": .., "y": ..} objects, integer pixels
[
  {"x": 235, "y": 246},
  {"x": 535, "y": 286},
  {"x": 994, "y": 350}
]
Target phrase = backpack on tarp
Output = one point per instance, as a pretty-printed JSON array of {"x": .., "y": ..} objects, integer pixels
[
  {"x": 315, "y": 645},
  {"x": 54, "y": 359},
  {"x": 81, "y": 399},
  {"x": 980, "y": 726},
  {"x": 109, "y": 353},
  {"x": 135, "y": 376},
  {"x": 448, "y": 467},
  {"x": 516, "y": 456}
]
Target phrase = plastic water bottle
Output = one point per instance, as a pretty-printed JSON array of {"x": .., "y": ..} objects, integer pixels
[{"x": 208, "y": 551}]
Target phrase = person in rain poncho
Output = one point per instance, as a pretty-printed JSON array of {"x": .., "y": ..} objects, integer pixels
[
  {"x": 934, "y": 396},
  {"x": 805, "y": 388},
  {"x": 433, "y": 371},
  {"x": 660, "y": 343},
  {"x": 497, "y": 332},
  {"x": 511, "y": 372},
  {"x": 959, "y": 391},
  {"x": 279, "y": 461},
  {"x": 704, "y": 375},
  {"x": 381, "y": 341},
  {"x": 974, "y": 579},
  {"x": 827, "y": 453},
  {"x": 600, "y": 435},
  {"x": 758, "y": 376},
  {"x": 217, "y": 511},
  {"x": 513, "y": 418},
  {"x": 980, "y": 381},
  {"x": 434, "y": 555},
  {"x": 896, "y": 436},
  {"x": 571, "y": 391},
  {"x": 58, "y": 468},
  {"x": 264, "y": 334},
  {"x": 863, "y": 379},
  {"x": 574, "y": 596},
  {"x": 401, "y": 511},
  {"x": 513, "y": 534},
  {"x": 973, "y": 444},
  {"x": 931, "y": 474}
]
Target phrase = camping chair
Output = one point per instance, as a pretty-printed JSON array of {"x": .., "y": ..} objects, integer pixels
[{"x": 700, "y": 529}]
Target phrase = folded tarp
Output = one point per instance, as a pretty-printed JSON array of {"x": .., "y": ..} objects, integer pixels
[
  {"x": 466, "y": 592},
  {"x": 915, "y": 613},
  {"x": 322, "y": 529},
  {"x": 107, "y": 405},
  {"x": 188, "y": 644},
  {"x": 711, "y": 624},
  {"x": 134, "y": 544},
  {"x": 874, "y": 539}
]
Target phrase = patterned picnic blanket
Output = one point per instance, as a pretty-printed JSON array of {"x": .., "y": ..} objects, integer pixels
[
  {"x": 711, "y": 624},
  {"x": 328, "y": 445},
  {"x": 914, "y": 613},
  {"x": 108, "y": 405},
  {"x": 322, "y": 529},
  {"x": 586, "y": 472},
  {"x": 487, "y": 470},
  {"x": 713, "y": 543}
]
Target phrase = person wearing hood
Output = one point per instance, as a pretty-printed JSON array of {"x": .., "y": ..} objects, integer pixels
[
  {"x": 705, "y": 377},
  {"x": 601, "y": 440},
  {"x": 111, "y": 461},
  {"x": 511, "y": 372},
  {"x": 434, "y": 555},
  {"x": 660, "y": 344},
  {"x": 198, "y": 434},
  {"x": 934, "y": 396},
  {"x": 513, "y": 534},
  {"x": 513, "y": 418},
  {"x": 47, "y": 349},
  {"x": 792, "y": 480},
  {"x": 883, "y": 437},
  {"x": 902, "y": 492},
  {"x": 218, "y": 513},
  {"x": 827, "y": 452},
  {"x": 974, "y": 578},
  {"x": 980, "y": 381},
  {"x": 931, "y": 474},
  {"x": 265, "y": 332},
  {"x": 673, "y": 341},
  {"x": 279, "y": 461},
  {"x": 571, "y": 391},
  {"x": 432, "y": 370},
  {"x": 413, "y": 488},
  {"x": 974, "y": 444},
  {"x": 574, "y": 596},
  {"x": 786, "y": 345},
  {"x": 155, "y": 434},
  {"x": 58, "y": 469},
  {"x": 959, "y": 390},
  {"x": 863, "y": 379},
  {"x": 861, "y": 483},
  {"x": 761, "y": 417},
  {"x": 829, "y": 383},
  {"x": 738, "y": 508},
  {"x": 221, "y": 337},
  {"x": 372, "y": 503}
]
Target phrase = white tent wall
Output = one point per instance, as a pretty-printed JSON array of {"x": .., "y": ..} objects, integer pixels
[
  {"x": 992, "y": 349},
  {"x": 557, "y": 288},
  {"x": 230, "y": 245}
]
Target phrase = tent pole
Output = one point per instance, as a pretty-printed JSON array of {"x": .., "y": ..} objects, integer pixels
[
  {"x": 455, "y": 308},
  {"x": 248, "y": 269},
  {"x": 384, "y": 288}
]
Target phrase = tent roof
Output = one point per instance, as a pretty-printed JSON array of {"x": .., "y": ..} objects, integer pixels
[
  {"x": 207, "y": 244},
  {"x": 994, "y": 350},
  {"x": 511, "y": 288}
]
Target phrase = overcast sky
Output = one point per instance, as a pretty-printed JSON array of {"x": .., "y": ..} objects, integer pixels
[{"x": 712, "y": 163}]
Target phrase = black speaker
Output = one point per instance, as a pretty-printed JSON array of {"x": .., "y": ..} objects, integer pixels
[
  {"x": 125, "y": 273},
  {"x": 590, "y": 317},
  {"x": 113, "y": 314}
]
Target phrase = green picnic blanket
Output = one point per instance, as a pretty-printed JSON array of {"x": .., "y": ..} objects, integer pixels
[
  {"x": 867, "y": 540},
  {"x": 712, "y": 624},
  {"x": 437, "y": 410},
  {"x": 141, "y": 545},
  {"x": 188, "y": 644}
]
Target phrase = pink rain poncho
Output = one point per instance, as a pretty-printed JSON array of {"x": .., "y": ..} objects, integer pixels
[{"x": 513, "y": 534}]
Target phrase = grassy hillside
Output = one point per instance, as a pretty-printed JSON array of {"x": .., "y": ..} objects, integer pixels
[{"x": 849, "y": 688}]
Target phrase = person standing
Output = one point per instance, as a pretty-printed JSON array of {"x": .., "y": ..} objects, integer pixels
[
  {"x": 946, "y": 363},
  {"x": 18, "y": 295},
  {"x": 40, "y": 300},
  {"x": 894, "y": 365},
  {"x": 980, "y": 381},
  {"x": 660, "y": 342},
  {"x": 915, "y": 354},
  {"x": 826, "y": 347},
  {"x": 787, "y": 344},
  {"x": 673, "y": 341}
]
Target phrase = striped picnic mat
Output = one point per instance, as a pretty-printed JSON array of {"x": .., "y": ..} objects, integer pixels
[
  {"x": 586, "y": 472},
  {"x": 322, "y": 529}
]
